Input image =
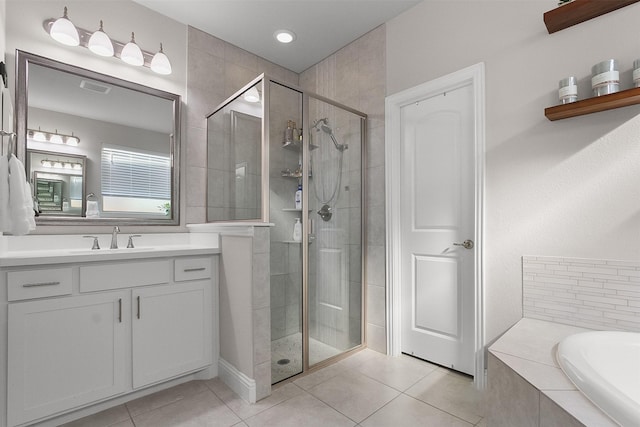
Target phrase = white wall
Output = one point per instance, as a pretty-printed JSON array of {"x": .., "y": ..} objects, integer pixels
[{"x": 566, "y": 188}]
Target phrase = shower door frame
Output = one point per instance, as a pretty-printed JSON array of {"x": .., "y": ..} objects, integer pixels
[{"x": 306, "y": 158}]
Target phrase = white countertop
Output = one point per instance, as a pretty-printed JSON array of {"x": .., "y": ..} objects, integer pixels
[{"x": 63, "y": 249}]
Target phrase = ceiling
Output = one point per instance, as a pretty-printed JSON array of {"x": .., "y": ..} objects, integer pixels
[{"x": 321, "y": 26}]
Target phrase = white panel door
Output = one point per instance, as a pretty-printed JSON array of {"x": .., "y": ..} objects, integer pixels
[
  {"x": 66, "y": 352},
  {"x": 437, "y": 211},
  {"x": 171, "y": 330}
]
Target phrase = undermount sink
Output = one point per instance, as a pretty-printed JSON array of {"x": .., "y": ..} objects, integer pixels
[{"x": 108, "y": 251}]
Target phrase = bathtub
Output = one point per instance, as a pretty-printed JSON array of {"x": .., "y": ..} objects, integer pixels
[{"x": 605, "y": 366}]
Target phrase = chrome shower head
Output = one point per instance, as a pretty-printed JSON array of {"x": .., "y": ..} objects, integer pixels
[{"x": 323, "y": 124}]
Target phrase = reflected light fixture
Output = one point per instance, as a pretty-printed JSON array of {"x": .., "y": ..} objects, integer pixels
[
  {"x": 64, "y": 31},
  {"x": 131, "y": 53},
  {"x": 284, "y": 36},
  {"x": 58, "y": 164},
  {"x": 53, "y": 137},
  {"x": 56, "y": 138},
  {"x": 252, "y": 95},
  {"x": 100, "y": 43},
  {"x": 39, "y": 136},
  {"x": 160, "y": 63}
]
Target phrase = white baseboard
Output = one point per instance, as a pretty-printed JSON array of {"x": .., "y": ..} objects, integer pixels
[{"x": 244, "y": 386}]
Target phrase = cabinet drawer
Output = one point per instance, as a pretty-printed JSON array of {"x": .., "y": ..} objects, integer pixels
[
  {"x": 39, "y": 283},
  {"x": 120, "y": 275},
  {"x": 192, "y": 268}
]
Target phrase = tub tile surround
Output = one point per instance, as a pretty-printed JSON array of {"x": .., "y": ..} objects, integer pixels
[
  {"x": 590, "y": 293},
  {"x": 527, "y": 386},
  {"x": 561, "y": 296}
]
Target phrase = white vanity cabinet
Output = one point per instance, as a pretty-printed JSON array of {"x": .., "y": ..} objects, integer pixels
[
  {"x": 81, "y": 334},
  {"x": 170, "y": 327},
  {"x": 66, "y": 352}
]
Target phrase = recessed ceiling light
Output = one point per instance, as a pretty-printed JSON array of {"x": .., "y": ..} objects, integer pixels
[{"x": 284, "y": 36}]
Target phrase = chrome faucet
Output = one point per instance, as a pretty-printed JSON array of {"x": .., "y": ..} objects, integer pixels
[{"x": 114, "y": 237}]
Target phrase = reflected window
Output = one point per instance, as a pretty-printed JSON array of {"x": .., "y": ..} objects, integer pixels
[{"x": 135, "y": 181}]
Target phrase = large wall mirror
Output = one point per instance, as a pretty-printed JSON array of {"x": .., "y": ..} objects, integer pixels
[{"x": 103, "y": 149}]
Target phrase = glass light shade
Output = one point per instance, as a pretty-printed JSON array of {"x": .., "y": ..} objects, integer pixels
[
  {"x": 252, "y": 95},
  {"x": 39, "y": 136},
  {"x": 67, "y": 166},
  {"x": 131, "y": 53},
  {"x": 100, "y": 43},
  {"x": 160, "y": 63},
  {"x": 46, "y": 163},
  {"x": 56, "y": 139},
  {"x": 57, "y": 165},
  {"x": 77, "y": 166},
  {"x": 72, "y": 141},
  {"x": 63, "y": 31}
]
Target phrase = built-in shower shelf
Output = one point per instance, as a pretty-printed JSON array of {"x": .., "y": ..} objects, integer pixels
[{"x": 296, "y": 145}]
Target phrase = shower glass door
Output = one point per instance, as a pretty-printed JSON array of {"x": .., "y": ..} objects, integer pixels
[
  {"x": 285, "y": 175},
  {"x": 335, "y": 250}
]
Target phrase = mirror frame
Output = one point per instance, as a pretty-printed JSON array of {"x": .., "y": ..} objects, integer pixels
[{"x": 23, "y": 60}]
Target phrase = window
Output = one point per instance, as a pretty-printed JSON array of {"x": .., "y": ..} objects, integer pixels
[{"x": 135, "y": 181}]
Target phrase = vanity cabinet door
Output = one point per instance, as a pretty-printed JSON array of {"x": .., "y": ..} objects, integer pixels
[
  {"x": 171, "y": 330},
  {"x": 66, "y": 352}
]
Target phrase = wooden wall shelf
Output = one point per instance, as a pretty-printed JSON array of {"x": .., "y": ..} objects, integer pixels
[
  {"x": 579, "y": 11},
  {"x": 620, "y": 99}
]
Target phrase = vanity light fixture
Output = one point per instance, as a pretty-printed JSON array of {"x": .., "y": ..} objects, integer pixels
[
  {"x": 53, "y": 137},
  {"x": 63, "y": 31},
  {"x": 131, "y": 53},
  {"x": 284, "y": 36},
  {"x": 98, "y": 42}
]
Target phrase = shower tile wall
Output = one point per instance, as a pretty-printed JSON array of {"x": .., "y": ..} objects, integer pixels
[
  {"x": 215, "y": 70},
  {"x": 356, "y": 76}
]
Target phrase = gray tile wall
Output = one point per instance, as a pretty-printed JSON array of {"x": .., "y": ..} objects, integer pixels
[
  {"x": 590, "y": 293},
  {"x": 356, "y": 76}
]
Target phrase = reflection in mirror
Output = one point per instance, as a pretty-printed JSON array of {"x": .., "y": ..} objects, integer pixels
[
  {"x": 234, "y": 164},
  {"x": 126, "y": 135},
  {"x": 58, "y": 182}
]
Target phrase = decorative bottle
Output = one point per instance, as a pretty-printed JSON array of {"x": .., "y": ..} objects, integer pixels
[
  {"x": 297, "y": 231},
  {"x": 298, "y": 197}
]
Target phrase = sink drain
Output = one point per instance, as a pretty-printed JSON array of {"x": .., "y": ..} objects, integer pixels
[{"x": 283, "y": 362}]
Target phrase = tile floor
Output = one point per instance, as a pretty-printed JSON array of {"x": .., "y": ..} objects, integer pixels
[
  {"x": 290, "y": 348},
  {"x": 367, "y": 389}
]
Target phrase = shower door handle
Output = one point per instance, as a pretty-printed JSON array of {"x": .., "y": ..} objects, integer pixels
[{"x": 467, "y": 244}]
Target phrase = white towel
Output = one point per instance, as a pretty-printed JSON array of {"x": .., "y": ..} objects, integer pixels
[
  {"x": 5, "y": 218},
  {"x": 20, "y": 200}
]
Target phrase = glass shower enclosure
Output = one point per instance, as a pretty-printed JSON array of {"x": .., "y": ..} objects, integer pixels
[{"x": 279, "y": 155}]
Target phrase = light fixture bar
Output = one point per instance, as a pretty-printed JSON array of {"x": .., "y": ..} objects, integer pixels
[{"x": 85, "y": 35}]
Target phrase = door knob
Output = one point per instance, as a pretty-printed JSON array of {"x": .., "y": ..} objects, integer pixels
[{"x": 467, "y": 244}]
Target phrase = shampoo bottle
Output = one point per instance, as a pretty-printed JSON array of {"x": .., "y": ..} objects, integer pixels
[
  {"x": 297, "y": 231},
  {"x": 298, "y": 197}
]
